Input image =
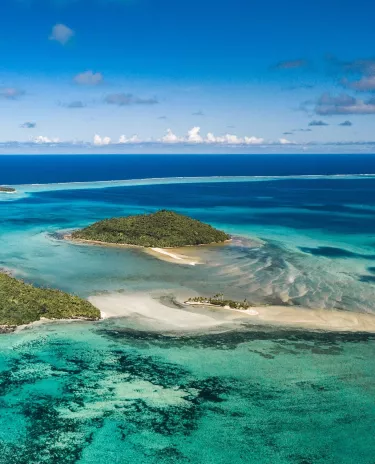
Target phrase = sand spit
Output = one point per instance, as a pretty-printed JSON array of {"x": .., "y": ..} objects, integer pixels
[
  {"x": 171, "y": 255},
  {"x": 150, "y": 311},
  {"x": 305, "y": 318}
]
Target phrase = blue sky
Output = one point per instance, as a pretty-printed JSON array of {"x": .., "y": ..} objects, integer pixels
[{"x": 191, "y": 76}]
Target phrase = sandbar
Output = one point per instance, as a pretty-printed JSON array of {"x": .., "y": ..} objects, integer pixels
[
  {"x": 305, "y": 318},
  {"x": 153, "y": 314}
]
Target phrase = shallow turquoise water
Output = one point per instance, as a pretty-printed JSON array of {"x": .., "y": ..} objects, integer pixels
[
  {"x": 116, "y": 392},
  {"x": 78, "y": 393}
]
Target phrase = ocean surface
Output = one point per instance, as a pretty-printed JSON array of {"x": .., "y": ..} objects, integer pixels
[{"x": 127, "y": 389}]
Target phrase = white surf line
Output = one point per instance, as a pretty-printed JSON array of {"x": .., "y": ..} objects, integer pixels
[
  {"x": 24, "y": 190},
  {"x": 176, "y": 180}
]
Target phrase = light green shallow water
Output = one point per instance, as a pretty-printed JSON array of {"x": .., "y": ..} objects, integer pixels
[{"x": 100, "y": 392}]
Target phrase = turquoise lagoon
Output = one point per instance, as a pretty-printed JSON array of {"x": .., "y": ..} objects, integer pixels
[{"x": 126, "y": 390}]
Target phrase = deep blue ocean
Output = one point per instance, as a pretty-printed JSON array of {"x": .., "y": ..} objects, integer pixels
[
  {"x": 150, "y": 386},
  {"x": 27, "y": 169}
]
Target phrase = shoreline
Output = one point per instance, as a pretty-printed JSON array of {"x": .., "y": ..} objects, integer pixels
[
  {"x": 152, "y": 313},
  {"x": 164, "y": 254},
  {"x": 8, "y": 329}
]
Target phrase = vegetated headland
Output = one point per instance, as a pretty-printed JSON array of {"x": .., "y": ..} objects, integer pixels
[{"x": 22, "y": 303}]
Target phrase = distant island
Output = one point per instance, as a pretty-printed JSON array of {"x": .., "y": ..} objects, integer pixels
[
  {"x": 7, "y": 189},
  {"x": 163, "y": 229},
  {"x": 22, "y": 303}
]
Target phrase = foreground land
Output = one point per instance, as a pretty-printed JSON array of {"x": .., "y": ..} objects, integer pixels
[
  {"x": 21, "y": 303},
  {"x": 163, "y": 229}
]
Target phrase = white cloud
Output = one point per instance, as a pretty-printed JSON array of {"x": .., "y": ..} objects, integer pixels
[
  {"x": 210, "y": 138},
  {"x": 42, "y": 139},
  {"x": 253, "y": 140},
  {"x": 132, "y": 139},
  {"x": 231, "y": 139},
  {"x": 194, "y": 135},
  {"x": 286, "y": 142},
  {"x": 61, "y": 33},
  {"x": 98, "y": 140},
  {"x": 170, "y": 137},
  {"x": 88, "y": 78}
]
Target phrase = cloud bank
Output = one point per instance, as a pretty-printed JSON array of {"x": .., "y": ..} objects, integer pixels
[
  {"x": 343, "y": 104},
  {"x": 41, "y": 139},
  {"x": 99, "y": 141},
  {"x": 194, "y": 137}
]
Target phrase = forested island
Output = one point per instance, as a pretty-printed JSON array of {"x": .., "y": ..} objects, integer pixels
[
  {"x": 164, "y": 229},
  {"x": 7, "y": 189},
  {"x": 22, "y": 303}
]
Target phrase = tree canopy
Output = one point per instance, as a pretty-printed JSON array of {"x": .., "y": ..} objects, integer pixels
[
  {"x": 22, "y": 303},
  {"x": 160, "y": 229}
]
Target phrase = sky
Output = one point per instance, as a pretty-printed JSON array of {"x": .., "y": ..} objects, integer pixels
[{"x": 198, "y": 76}]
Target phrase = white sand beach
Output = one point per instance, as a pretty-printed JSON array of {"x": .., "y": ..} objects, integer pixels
[
  {"x": 152, "y": 312},
  {"x": 300, "y": 317},
  {"x": 156, "y": 315},
  {"x": 171, "y": 255}
]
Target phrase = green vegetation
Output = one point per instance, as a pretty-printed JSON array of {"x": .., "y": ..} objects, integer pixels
[
  {"x": 161, "y": 229},
  {"x": 7, "y": 189},
  {"x": 21, "y": 303},
  {"x": 218, "y": 300}
]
